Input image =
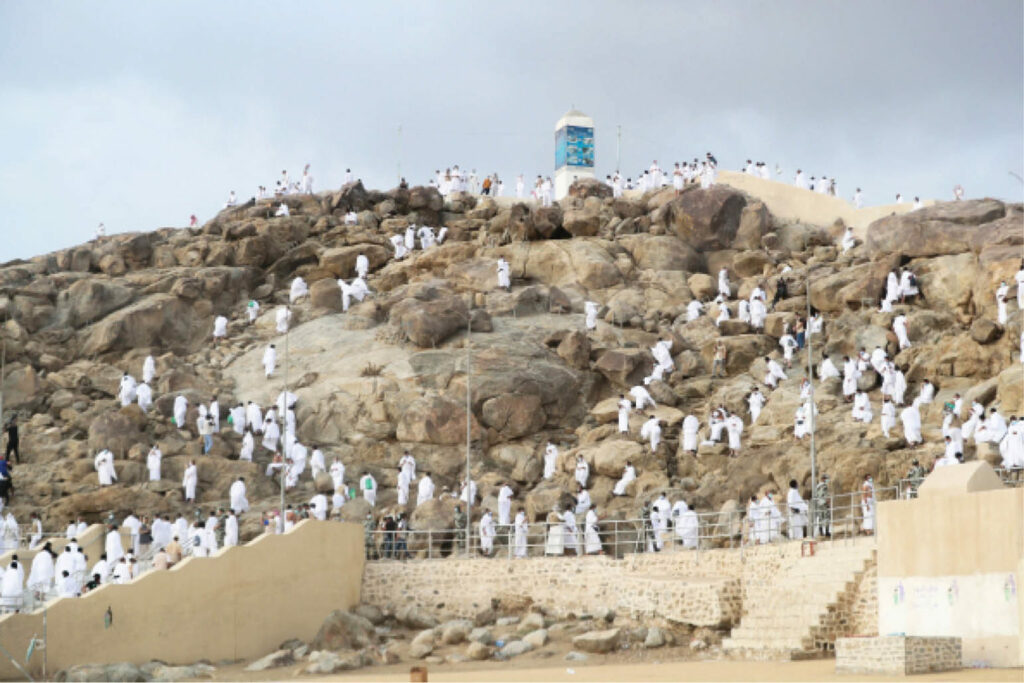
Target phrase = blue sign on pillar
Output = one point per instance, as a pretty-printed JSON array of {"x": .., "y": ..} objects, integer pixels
[{"x": 574, "y": 146}]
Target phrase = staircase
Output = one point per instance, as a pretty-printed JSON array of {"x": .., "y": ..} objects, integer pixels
[{"x": 795, "y": 616}]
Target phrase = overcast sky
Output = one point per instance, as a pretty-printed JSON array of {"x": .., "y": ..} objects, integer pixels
[{"x": 138, "y": 114}]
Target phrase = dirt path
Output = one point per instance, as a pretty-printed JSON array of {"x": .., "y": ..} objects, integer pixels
[{"x": 526, "y": 670}]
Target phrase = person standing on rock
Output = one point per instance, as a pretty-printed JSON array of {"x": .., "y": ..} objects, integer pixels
[
  {"x": 425, "y": 489},
  {"x": 651, "y": 431},
  {"x": 504, "y": 279},
  {"x": 505, "y": 494},
  {"x": 774, "y": 374},
  {"x": 487, "y": 534},
  {"x": 582, "y": 472},
  {"x": 220, "y": 329},
  {"x": 590, "y": 310},
  {"x": 252, "y": 311},
  {"x": 404, "y": 480},
  {"x": 269, "y": 361},
  {"x": 236, "y": 494},
  {"x": 867, "y": 505},
  {"x": 911, "y": 418},
  {"x": 625, "y": 405},
  {"x": 368, "y": 485},
  {"x": 522, "y": 531},
  {"x": 628, "y": 476},
  {"x": 693, "y": 310},
  {"x": 205, "y": 428},
  {"x": 550, "y": 460},
  {"x": 104, "y": 464},
  {"x": 642, "y": 397},
  {"x": 153, "y": 462},
  {"x": 13, "y": 441},
  {"x": 189, "y": 481},
  {"x": 282, "y": 317}
]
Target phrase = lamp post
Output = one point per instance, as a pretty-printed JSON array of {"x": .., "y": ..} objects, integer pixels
[
  {"x": 281, "y": 419},
  {"x": 469, "y": 416},
  {"x": 810, "y": 377}
]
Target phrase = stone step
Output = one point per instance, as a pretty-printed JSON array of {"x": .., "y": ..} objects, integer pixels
[{"x": 780, "y": 644}]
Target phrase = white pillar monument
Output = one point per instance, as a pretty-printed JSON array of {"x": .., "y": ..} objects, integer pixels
[{"x": 574, "y": 150}]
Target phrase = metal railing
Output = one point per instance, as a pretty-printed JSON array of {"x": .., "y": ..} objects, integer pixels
[{"x": 844, "y": 516}]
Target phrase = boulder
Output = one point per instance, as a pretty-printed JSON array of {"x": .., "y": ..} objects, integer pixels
[
  {"x": 430, "y": 321},
  {"x": 343, "y": 630},
  {"x": 655, "y": 638},
  {"x": 589, "y": 187},
  {"x": 341, "y": 261},
  {"x": 661, "y": 252},
  {"x": 944, "y": 228},
  {"x": 422, "y": 645},
  {"x": 515, "y": 648},
  {"x": 436, "y": 420},
  {"x": 479, "y": 651},
  {"x": 89, "y": 300},
  {"x": 618, "y": 364},
  {"x": 574, "y": 349},
  {"x": 706, "y": 219},
  {"x": 414, "y": 617},
  {"x": 117, "y": 431},
  {"x": 325, "y": 662},
  {"x": 513, "y": 415},
  {"x": 985, "y": 331},
  {"x": 536, "y": 639},
  {"x": 754, "y": 223},
  {"x": 597, "y": 641},
  {"x": 325, "y": 294}
]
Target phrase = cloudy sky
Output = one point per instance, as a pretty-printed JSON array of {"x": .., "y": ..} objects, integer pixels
[{"x": 139, "y": 114}]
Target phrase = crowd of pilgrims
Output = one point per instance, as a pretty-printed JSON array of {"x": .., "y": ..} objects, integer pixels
[{"x": 273, "y": 433}]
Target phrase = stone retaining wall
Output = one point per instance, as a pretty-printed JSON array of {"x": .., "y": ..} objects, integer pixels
[{"x": 897, "y": 655}]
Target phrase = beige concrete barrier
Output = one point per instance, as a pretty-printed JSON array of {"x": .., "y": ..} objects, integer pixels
[{"x": 240, "y": 604}]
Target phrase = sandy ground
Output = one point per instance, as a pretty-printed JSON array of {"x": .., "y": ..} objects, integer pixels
[{"x": 606, "y": 669}]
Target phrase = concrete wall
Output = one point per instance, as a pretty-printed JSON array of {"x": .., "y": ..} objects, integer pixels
[
  {"x": 790, "y": 203},
  {"x": 897, "y": 655},
  {"x": 242, "y": 603},
  {"x": 92, "y": 542},
  {"x": 951, "y": 564}
]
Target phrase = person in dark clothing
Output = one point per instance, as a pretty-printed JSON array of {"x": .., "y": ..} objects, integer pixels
[
  {"x": 781, "y": 292},
  {"x": 6, "y": 485},
  {"x": 12, "y": 442}
]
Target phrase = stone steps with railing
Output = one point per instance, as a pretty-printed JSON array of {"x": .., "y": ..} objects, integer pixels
[{"x": 786, "y": 618}]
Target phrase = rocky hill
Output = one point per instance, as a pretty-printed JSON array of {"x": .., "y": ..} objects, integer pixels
[{"x": 390, "y": 374}]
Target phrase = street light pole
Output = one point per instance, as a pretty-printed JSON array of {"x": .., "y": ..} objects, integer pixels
[
  {"x": 810, "y": 378},
  {"x": 469, "y": 414},
  {"x": 281, "y": 418}
]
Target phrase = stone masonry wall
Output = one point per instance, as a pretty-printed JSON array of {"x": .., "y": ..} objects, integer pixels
[
  {"x": 704, "y": 589},
  {"x": 897, "y": 655}
]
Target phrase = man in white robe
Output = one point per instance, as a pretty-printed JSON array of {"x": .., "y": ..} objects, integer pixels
[
  {"x": 755, "y": 402},
  {"x": 148, "y": 370},
  {"x": 487, "y": 533},
  {"x": 153, "y": 461},
  {"x": 269, "y": 360},
  {"x": 691, "y": 425},
  {"x": 572, "y": 534},
  {"x": 521, "y": 534},
  {"x": 112, "y": 545},
  {"x": 758, "y": 312},
  {"x": 724, "y": 289},
  {"x": 127, "y": 390},
  {"x": 867, "y": 505},
  {"x": 550, "y": 460},
  {"x": 504, "y": 278},
  {"x": 651, "y": 431},
  {"x": 362, "y": 265},
  {"x": 911, "y": 418},
  {"x": 693, "y": 310},
  {"x": 862, "y": 407},
  {"x": 505, "y": 494},
  {"x": 591, "y": 533},
  {"x": 144, "y": 397},
  {"x": 625, "y": 405},
  {"x": 467, "y": 494},
  {"x": 628, "y": 476},
  {"x": 848, "y": 241},
  {"x": 797, "y": 510},
  {"x": 734, "y": 427},
  {"x": 590, "y": 311},
  {"x": 189, "y": 481},
  {"x": 399, "y": 245},
  {"x": 582, "y": 471},
  {"x": 220, "y": 328},
  {"x": 282, "y": 316},
  {"x": 104, "y": 464},
  {"x": 642, "y": 397},
  {"x": 425, "y": 489},
  {"x": 899, "y": 326},
  {"x": 774, "y": 373},
  {"x": 368, "y": 485},
  {"x": 888, "y": 420},
  {"x": 318, "y": 506},
  {"x": 239, "y": 503}
]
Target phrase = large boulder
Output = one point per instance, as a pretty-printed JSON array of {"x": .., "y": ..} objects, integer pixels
[
  {"x": 89, "y": 299},
  {"x": 117, "y": 431},
  {"x": 157, "y": 320},
  {"x": 589, "y": 187},
  {"x": 343, "y": 630},
  {"x": 430, "y": 320},
  {"x": 325, "y": 294},
  {"x": 944, "y": 228},
  {"x": 436, "y": 420},
  {"x": 584, "y": 262},
  {"x": 597, "y": 641},
  {"x": 705, "y": 219},
  {"x": 513, "y": 415},
  {"x": 661, "y": 252},
  {"x": 341, "y": 261}
]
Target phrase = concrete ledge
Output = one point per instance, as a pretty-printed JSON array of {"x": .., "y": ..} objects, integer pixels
[{"x": 898, "y": 655}]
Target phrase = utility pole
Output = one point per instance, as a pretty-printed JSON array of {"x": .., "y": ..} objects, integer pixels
[
  {"x": 281, "y": 419},
  {"x": 469, "y": 417},
  {"x": 810, "y": 378},
  {"x": 399, "y": 153},
  {"x": 618, "y": 149}
]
